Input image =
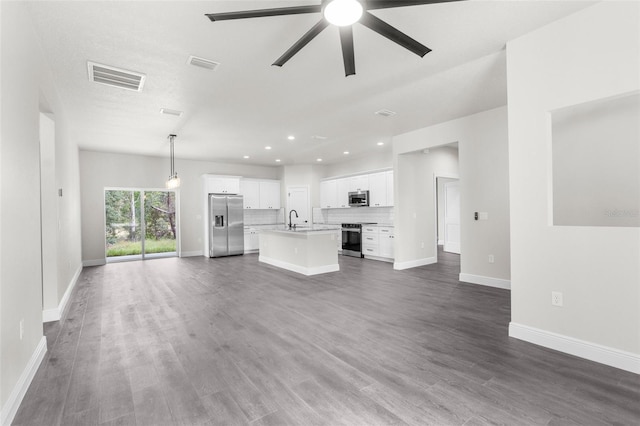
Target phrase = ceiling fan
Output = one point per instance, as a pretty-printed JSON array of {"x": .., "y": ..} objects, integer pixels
[{"x": 343, "y": 14}]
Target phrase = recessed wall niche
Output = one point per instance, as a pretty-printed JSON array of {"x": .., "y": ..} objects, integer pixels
[{"x": 596, "y": 163}]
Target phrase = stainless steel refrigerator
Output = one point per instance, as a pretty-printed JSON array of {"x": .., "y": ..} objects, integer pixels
[{"x": 226, "y": 225}]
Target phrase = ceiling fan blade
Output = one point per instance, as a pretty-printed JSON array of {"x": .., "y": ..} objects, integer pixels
[
  {"x": 259, "y": 13},
  {"x": 304, "y": 40},
  {"x": 385, "y": 4},
  {"x": 346, "y": 39},
  {"x": 384, "y": 29}
]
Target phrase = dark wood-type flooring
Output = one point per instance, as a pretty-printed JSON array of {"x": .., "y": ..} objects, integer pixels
[{"x": 230, "y": 341}]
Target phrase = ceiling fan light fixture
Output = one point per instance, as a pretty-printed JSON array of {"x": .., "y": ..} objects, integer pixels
[{"x": 343, "y": 12}]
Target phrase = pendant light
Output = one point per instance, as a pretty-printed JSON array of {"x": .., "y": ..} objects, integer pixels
[{"x": 173, "y": 181}]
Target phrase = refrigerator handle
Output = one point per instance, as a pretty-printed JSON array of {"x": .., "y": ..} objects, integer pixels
[{"x": 219, "y": 221}]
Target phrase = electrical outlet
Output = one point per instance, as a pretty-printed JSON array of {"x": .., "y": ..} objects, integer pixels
[
  {"x": 491, "y": 259},
  {"x": 21, "y": 329},
  {"x": 556, "y": 298},
  {"x": 422, "y": 244},
  {"x": 295, "y": 250}
]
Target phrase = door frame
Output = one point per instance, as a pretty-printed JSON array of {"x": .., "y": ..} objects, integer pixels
[{"x": 142, "y": 223}]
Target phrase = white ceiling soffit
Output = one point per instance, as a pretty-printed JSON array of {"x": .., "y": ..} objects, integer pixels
[{"x": 116, "y": 77}]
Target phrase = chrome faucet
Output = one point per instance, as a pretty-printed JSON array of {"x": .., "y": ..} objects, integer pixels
[{"x": 292, "y": 211}]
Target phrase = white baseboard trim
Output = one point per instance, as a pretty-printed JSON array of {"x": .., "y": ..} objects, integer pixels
[
  {"x": 299, "y": 269},
  {"x": 94, "y": 262},
  {"x": 592, "y": 351},
  {"x": 191, "y": 253},
  {"x": 50, "y": 315},
  {"x": 381, "y": 259},
  {"x": 488, "y": 281},
  {"x": 20, "y": 389},
  {"x": 399, "y": 266}
]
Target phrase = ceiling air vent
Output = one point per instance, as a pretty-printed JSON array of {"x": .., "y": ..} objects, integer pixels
[
  {"x": 385, "y": 113},
  {"x": 116, "y": 77},
  {"x": 168, "y": 111},
  {"x": 202, "y": 63}
]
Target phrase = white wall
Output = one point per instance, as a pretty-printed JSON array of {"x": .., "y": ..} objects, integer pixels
[
  {"x": 100, "y": 170},
  {"x": 483, "y": 172},
  {"x": 303, "y": 175},
  {"x": 27, "y": 85},
  {"x": 415, "y": 203},
  {"x": 376, "y": 161},
  {"x": 590, "y": 55}
]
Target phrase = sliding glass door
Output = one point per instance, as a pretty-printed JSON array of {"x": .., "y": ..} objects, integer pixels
[{"x": 140, "y": 224}]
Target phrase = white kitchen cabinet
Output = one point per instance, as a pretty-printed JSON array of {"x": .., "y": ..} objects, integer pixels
[
  {"x": 381, "y": 189},
  {"x": 389, "y": 179},
  {"x": 343, "y": 192},
  {"x": 269, "y": 194},
  {"x": 386, "y": 242},
  {"x": 377, "y": 242},
  {"x": 358, "y": 183},
  {"x": 251, "y": 240},
  {"x": 250, "y": 190},
  {"x": 223, "y": 185},
  {"x": 329, "y": 194},
  {"x": 378, "y": 189}
]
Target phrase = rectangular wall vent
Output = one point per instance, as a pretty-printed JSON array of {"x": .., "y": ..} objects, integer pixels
[
  {"x": 385, "y": 113},
  {"x": 116, "y": 77},
  {"x": 168, "y": 111},
  {"x": 202, "y": 63}
]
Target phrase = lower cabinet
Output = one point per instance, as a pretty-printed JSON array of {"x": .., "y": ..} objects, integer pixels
[
  {"x": 377, "y": 242},
  {"x": 251, "y": 241}
]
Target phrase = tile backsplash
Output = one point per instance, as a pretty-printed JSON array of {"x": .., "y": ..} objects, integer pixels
[
  {"x": 263, "y": 217},
  {"x": 382, "y": 215}
]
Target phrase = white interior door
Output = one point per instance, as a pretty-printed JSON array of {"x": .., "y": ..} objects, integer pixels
[
  {"x": 298, "y": 200},
  {"x": 452, "y": 217}
]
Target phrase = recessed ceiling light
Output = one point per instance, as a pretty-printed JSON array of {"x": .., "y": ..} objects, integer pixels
[
  {"x": 346, "y": 153},
  {"x": 202, "y": 63},
  {"x": 385, "y": 113},
  {"x": 267, "y": 147},
  {"x": 245, "y": 157},
  {"x": 168, "y": 111},
  {"x": 277, "y": 160},
  {"x": 291, "y": 137},
  {"x": 319, "y": 160},
  {"x": 380, "y": 143}
]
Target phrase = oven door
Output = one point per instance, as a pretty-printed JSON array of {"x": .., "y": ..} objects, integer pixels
[{"x": 351, "y": 242}]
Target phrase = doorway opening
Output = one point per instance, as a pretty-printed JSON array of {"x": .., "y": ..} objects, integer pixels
[
  {"x": 448, "y": 214},
  {"x": 140, "y": 224}
]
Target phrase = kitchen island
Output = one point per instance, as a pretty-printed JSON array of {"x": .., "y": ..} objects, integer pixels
[{"x": 306, "y": 250}]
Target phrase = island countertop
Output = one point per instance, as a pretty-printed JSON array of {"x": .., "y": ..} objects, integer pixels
[{"x": 315, "y": 229}]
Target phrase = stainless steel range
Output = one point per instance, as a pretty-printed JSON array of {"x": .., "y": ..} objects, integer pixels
[{"x": 352, "y": 238}]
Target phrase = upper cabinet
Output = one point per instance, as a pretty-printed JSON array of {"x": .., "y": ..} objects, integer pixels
[
  {"x": 270, "y": 194},
  {"x": 250, "y": 190},
  {"x": 260, "y": 194},
  {"x": 334, "y": 193},
  {"x": 222, "y": 184},
  {"x": 359, "y": 183},
  {"x": 329, "y": 194},
  {"x": 343, "y": 186},
  {"x": 381, "y": 189}
]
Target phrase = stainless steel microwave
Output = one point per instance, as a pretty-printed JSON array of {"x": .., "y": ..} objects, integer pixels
[{"x": 359, "y": 199}]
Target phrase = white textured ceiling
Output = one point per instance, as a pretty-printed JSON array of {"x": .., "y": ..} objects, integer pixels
[{"x": 246, "y": 104}]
